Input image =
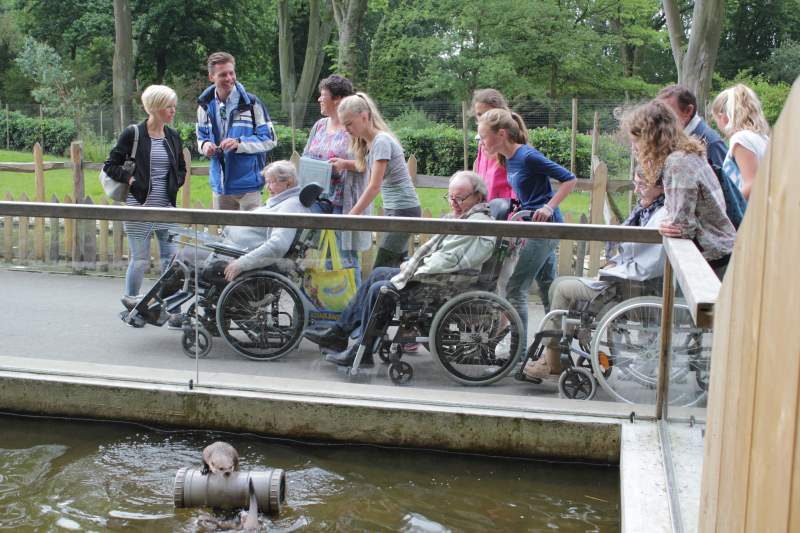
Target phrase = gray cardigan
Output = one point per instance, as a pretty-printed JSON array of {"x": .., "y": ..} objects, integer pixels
[{"x": 266, "y": 246}]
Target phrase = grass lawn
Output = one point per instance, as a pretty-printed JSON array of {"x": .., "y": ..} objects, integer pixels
[{"x": 59, "y": 182}]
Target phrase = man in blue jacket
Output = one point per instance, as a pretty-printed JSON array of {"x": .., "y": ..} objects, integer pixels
[
  {"x": 684, "y": 103},
  {"x": 234, "y": 131}
]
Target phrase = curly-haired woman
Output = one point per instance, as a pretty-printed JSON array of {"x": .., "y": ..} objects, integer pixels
[{"x": 694, "y": 201}]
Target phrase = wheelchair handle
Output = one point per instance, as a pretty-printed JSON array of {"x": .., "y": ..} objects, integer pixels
[{"x": 525, "y": 214}]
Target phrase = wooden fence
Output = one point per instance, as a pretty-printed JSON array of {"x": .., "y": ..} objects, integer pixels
[{"x": 100, "y": 245}]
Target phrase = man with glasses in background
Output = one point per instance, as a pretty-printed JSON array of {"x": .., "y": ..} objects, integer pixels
[
  {"x": 235, "y": 132},
  {"x": 441, "y": 254}
]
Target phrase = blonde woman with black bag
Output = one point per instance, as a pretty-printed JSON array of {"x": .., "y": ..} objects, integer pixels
[{"x": 158, "y": 174}]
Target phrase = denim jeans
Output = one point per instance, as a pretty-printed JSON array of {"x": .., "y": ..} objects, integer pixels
[
  {"x": 532, "y": 257},
  {"x": 356, "y": 314},
  {"x": 544, "y": 279},
  {"x": 140, "y": 258}
]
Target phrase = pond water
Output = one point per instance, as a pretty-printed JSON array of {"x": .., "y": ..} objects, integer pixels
[{"x": 61, "y": 475}]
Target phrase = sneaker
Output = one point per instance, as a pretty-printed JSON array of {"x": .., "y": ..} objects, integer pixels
[{"x": 175, "y": 321}]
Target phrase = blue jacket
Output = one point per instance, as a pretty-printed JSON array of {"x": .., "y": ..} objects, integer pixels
[
  {"x": 248, "y": 122},
  {"x": 716, "y": 149}
]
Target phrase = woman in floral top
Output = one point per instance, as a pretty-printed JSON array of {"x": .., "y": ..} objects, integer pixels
[
  {"x": 694, "y": 201},
  {"x": 328, "y": 141}
]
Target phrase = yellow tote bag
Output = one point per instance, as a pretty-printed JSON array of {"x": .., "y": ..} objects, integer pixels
[{"x": 330, "y": 289}]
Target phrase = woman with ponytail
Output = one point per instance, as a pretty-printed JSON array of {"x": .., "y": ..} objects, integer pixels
[
  {"x": 496, "y": 179},
  {"x": 738, "y": 114},
  {"x": 380, "y": 156},
  {"x": 505, "y": 136}
]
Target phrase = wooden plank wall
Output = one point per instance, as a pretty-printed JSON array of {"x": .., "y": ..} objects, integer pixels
[{"x": 751, "y": 474}]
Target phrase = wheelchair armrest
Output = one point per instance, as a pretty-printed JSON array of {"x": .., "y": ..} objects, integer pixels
[{"x": 224, "y": 249}]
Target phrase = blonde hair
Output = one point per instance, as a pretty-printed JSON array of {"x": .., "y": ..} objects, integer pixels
[
  {"x": 355, "y": 105},
  {"x": 491, "y": 97},
  {"x": 282, "y": 171},
  {"x": 157, "y": 97},
  {"x": 503, "y": 119},
  {"x": 655, "y": 127},
  {"x": 743, "y": 109}
]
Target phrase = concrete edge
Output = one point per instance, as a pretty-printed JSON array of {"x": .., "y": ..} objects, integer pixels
[
  {"x": 498, "y": 431},
  {"x": 644, "y": 496}
]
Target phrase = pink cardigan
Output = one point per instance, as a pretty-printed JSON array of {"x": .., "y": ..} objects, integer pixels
[{"x": 493, "y": 174}]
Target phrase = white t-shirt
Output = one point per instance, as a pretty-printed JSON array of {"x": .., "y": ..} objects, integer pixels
[{"x": 755, "y": 142}]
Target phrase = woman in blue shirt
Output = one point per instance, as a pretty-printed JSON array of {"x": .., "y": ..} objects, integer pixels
[{"x": 504, "y": 135}]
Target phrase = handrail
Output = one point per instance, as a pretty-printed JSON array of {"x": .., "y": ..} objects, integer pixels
[
  {"x": 699, "y": 284},
  {"x": 588, "y": 232}
]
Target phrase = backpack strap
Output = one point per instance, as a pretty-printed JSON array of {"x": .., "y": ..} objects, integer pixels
[{"x": 135, "y": 141}]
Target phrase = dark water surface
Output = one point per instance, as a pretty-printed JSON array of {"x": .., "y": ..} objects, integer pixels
[{"x": 60, "y": 475}]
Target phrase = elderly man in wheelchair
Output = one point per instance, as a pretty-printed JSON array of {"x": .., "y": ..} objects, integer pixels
[
  {"x": 615, "y": 322},
  {"x": 246, "y": 281},
  {"x": 442, "y": 297}
]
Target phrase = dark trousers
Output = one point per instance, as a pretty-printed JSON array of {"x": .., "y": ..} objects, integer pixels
[{"x": 357, "y": 312}]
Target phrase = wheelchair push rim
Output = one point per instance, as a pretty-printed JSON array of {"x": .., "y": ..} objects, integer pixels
[
  {"x": 625, "y": 353},
  {"x": 476, "y": 338},
  {"x": 260, "y": 315}
]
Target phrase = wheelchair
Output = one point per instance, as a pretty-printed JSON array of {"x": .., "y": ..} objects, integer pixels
[
  {"x": 474, "y": 336},
  {"x": 260, "y": 314},
  {"x": 612, "y": 342}
]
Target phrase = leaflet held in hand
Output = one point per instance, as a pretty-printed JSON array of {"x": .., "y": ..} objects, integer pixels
[{"x": 314, "y": 170}]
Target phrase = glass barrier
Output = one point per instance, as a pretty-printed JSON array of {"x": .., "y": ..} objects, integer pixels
[{"x": 225, "y": 304}]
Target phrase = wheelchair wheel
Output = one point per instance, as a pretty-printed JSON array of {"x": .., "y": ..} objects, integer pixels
[
  {"x": 196, "y": 345},
  {"x": 400, "y": 372},
  {"x": 261, "y": 316},
  {"x": 476, "y": 338},
  {"x": 625, "y": 352},
  {"x": 577, "y": 383}
]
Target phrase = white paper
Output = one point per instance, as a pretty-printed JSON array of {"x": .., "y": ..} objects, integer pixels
[{"x": 314, "y": 170}]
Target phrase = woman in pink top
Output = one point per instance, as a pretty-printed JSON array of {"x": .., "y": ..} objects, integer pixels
[
  {"x": 494, "y": 175},
  {"x": 486, "y": 166}
]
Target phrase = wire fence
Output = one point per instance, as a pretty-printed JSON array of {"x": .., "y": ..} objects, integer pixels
[{"x": 98, "y": 119}]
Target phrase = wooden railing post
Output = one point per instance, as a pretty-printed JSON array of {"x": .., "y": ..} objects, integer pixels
[
  {"x": 598, "y": 202},
  {"x": 23, "y": 233},
  {"x": 38, "y": 233},
  {"x": 573, "y": 147},
  {"x": 8, "y": 234},
  {"x": 186, "y": 193},
  {"x": 78, "y": 240},
  {"x": 464, "y": 124}
]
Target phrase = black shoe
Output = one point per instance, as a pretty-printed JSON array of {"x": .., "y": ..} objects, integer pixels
[
  {"x": 175, "y": 321},
  {"x": 346, "y": 357},
  {"x": 333, "y": 339}
]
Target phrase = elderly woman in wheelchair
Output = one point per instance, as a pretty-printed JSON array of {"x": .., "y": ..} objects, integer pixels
[
  {"x": 607, "y": 329},
  {"x": 432, "y": 299},
  {"x": 246, "y": 281}
]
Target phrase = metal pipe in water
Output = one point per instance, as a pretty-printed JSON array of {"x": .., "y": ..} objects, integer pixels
[{"x": 194, "y": 489}]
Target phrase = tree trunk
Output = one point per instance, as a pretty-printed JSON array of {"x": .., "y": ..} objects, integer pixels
[
  {"x": 320, "y": 27},
  {"x": 349, "y": 15},
  {"x": 696, "y": 66},
  {"x": 122, "y": 65}
]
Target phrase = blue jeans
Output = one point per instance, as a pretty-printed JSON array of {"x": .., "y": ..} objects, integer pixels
[
  {"x": 544, "y": 278},
  {"x": 532, "y": 257},
  {"x": 140, "y": 258},
  {"x": 356, "y": 314}
]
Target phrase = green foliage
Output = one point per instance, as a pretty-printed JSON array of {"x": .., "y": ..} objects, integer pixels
[
  {"x": 55, "y": 86},
  {"x": 439, "y": 149},
  {"x": 412, "y": 119},
  {"x": 24, "y": 132},
  {"x": 784, "y": 63}
]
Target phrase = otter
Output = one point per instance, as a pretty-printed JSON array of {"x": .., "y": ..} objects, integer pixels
[{"x": 220, "y": 458}]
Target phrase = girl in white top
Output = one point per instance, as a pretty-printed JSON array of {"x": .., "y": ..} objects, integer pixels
[{"x": 737, "y": 111}]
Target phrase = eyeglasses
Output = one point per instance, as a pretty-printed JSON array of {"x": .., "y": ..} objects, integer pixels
[{"x": 455, "y": 199}]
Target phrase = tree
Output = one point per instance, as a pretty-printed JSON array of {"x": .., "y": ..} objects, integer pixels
[
  {"x": 696, "y": 66},
  {"x": 295, "y": 93},
  {"x": 123, "y": 65},
  {"x": 349, "y": 16},
  {"x": 55, "y": 88}
]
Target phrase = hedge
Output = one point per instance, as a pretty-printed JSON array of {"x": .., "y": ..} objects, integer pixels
[{"x": 24, "y": 132}]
